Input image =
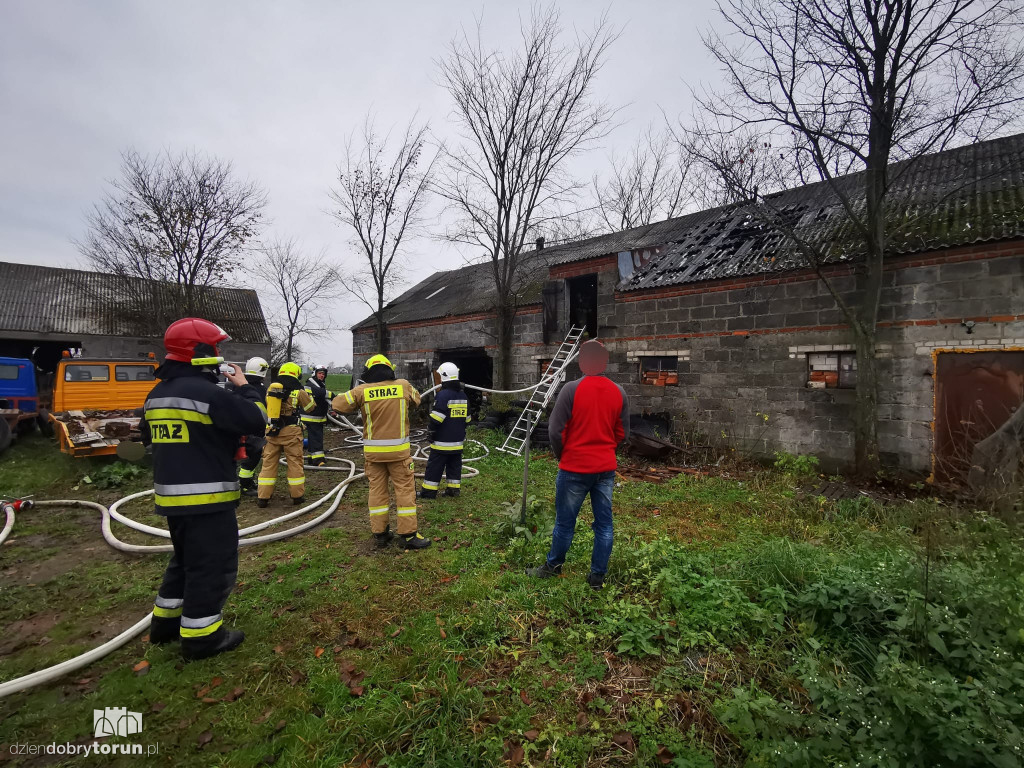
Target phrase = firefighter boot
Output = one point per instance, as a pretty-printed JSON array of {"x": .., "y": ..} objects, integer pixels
[
  {"x": 262, "y": 503},
  {"x": 424, "y": 493},
  {"x": 224, "y": 639},
  {"x": 451, "y": 491},
  {"x": 381, "y": 540},
  {"x": 164, "y": 630},
  {"x": 298, "y": 500},
  {"x": 414, "y": 541}
]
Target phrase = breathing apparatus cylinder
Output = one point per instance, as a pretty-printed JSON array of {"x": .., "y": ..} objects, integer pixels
[{"x": 275, "y": 397}]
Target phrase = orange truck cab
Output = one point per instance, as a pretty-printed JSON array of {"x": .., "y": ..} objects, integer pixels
[
  {"x": 86, "y": 390},
  {"x": 108, "y": 385}
]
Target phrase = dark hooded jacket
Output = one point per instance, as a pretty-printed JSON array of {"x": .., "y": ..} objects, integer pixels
[{"x": 194, "y": 426}]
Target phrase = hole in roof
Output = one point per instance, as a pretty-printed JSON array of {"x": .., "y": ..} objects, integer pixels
[{"x": 436, "y": 292}]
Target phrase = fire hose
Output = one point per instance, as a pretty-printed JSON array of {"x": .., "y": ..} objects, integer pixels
[{"x": 245, "y": 538}]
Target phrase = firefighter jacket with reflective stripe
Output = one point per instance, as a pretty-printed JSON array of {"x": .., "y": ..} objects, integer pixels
[
  {"x": 298, "y": 402},
  {"x": 321, "y": 398},
  {"x": 448, "y": 419},
  {"x": 385, "y": 408},
  {"x": 194, "y": 427}
]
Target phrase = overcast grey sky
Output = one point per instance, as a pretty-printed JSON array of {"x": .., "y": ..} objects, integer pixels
[{"x": 274, "y": 87}]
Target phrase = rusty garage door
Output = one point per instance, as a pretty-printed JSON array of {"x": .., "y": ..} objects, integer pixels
[{"x": 975, "y": 392}]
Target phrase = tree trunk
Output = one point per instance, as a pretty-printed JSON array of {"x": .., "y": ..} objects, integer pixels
[
  {"x": 382, "y": 346},
  {"x": 504, "y": 318},
  {"x": 865, "y": 419}
]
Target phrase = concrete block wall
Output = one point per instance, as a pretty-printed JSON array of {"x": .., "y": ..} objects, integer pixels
[
  {"x": 748, "y": 353},
  {"x": 137, "y": 347}
]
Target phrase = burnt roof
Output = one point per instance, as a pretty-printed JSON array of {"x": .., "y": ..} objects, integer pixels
[
  {"x": 957, "y": 197},
  {"x": 68, "y": 302}
]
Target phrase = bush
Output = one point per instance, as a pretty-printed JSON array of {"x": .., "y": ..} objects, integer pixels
[{"x": 797, "y": 466}]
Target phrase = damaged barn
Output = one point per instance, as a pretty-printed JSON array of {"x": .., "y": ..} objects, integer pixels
[{"x": 716, "y": 319}]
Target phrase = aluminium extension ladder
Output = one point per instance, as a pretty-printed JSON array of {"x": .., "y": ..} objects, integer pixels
[{"x": 542, "y": 395}]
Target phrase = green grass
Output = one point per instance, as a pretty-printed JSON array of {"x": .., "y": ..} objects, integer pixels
[
  {"x": 744, "y": 623},
  {"x": 339, "y": 382}
]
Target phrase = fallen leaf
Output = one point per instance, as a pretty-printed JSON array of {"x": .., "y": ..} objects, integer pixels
[
  {"x": 337, "y": 649},
  {"x": 280, "y": 726},
  {"x": 263, "y": 718},
  {"x": 210, "y": 700},
  {"x": 525, "y": 697},
  {"x": 279, "y": 649},
  {"x": 444, "y": 635},
  {"x": 296, "y": 678},
  {"x": 142, "y": 668},
  {"x": 205, "y": 738},
  {"x": 235, "y": 695},
  {"x": 397, "y": 632},
  {"x": 582, "y": 721},
  {"x": 144, "y": 638},
  {"x": 157, "y": 707},
  {"x": 514, "y": 754},
  {"x": 531, "y": 735},
  {"x": 624, "y": 741},
  {"x": 491, "y": 718},
  {"x": 357, "y": 690},
  {"x": 664, "y": 755},
  {"x": 216, "y": 681},
  {"x": 319, "y": 652}
]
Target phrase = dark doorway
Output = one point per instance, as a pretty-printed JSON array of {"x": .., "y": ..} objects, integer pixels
[
  {"x": 475, "y": 367},
  {"x": 975, "y": 393},
  {"x": 583, "y": 303}
]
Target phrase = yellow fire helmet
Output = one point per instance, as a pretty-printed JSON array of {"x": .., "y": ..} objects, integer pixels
[
  {"x": 290, "y": 369},
  {"x": 379, "y": 360}
]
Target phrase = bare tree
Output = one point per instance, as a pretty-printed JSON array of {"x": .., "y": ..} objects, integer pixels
[
  {"x": 647, "y": 186},
  {"x": 383, "y": 187},
  {"x": 819, "y": 89},
  {"x": 300, "y": 284},
  {"x": 523, "y": 114},
  {"x": 171, "y": 226}
]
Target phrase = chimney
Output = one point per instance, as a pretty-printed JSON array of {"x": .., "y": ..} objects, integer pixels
[{"x": 540, "y": 243}]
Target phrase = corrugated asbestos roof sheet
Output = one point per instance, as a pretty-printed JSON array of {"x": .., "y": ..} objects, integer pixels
[
  {"x": 962, "y": 196},
  {"x": 463, "y": 291},
  {"x": 958, "y": 197},
  {"x": 50, "y": 300}
]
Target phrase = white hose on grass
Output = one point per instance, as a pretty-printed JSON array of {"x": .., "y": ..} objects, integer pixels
[{"x": 8, "y": 523}]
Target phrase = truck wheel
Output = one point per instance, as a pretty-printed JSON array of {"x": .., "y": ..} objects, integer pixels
[
  {"x": 45, "y": 425},
  {"x": 5, "y": 435}
]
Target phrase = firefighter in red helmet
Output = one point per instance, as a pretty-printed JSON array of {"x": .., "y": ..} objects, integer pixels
[{"x": 194, "y": 427}]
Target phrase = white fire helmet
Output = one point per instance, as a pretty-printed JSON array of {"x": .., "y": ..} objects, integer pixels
[
  {"x": 448, "y": 372},
  {"x": 256, "y": 366}
]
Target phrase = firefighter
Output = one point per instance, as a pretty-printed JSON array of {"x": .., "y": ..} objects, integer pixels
[
  {"x": 448, "y": 419},
  {"x": 285, "y": 397},
  {"x": 384, "y": 402},
  {"x": 256, "y": 375},
  {"x": 315, "y": 421},
  {"x": 194, "y": 427}
]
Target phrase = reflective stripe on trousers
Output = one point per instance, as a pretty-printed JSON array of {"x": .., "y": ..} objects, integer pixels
[
  {"x": 202, "y": 627},
  {"x": 167, "y": 608}
]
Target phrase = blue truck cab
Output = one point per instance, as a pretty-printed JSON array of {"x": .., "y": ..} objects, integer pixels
[
  {"x": 18, "y": 385},
  {"x": 19, "y": 399}
]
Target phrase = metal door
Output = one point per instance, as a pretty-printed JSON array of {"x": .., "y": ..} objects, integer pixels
[{"x": 975, "y": 393}]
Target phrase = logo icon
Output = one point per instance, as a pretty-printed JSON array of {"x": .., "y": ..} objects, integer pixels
[{"x": 115, "y": 721}]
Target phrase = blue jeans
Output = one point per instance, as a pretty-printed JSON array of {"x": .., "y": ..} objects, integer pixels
[{"x": 571, "y": 488}]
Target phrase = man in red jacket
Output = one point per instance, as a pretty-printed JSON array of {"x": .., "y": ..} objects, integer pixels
[{"x": 589, "y": 421}]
